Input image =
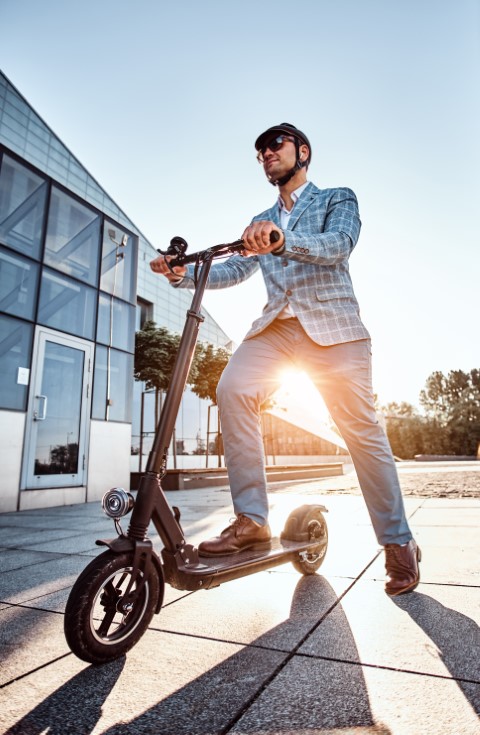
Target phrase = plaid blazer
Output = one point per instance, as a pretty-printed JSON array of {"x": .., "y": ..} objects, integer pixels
[{"x": 312, "y": 273}]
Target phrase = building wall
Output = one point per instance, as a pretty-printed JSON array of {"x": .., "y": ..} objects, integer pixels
[
  {"x": 92, "y": 282},
  {"x": 12, "y": 430}
]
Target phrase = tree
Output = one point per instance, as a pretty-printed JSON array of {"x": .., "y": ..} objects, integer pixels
[
  {"x": 208, "y": 366},
  {"x": 405, "y": 429},
  {"x": 155, "y": 352},
  {"x": 452, "y": 405}
]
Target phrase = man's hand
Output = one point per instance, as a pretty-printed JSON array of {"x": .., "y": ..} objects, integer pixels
[
  {"x": 159, "y": 265},
  {"x": 257, "y": 238}
]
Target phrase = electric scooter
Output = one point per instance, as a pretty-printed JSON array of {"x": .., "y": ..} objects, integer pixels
[{"x": 114, "y": 599}]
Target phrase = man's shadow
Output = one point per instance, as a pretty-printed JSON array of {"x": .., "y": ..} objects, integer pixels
[
  {"x": 453, "y": 634},
  {"x": 313, "y": 694}
]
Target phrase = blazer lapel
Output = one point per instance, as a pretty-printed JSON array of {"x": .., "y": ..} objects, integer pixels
[
  {"x": 275, "y": 215},
  {"x": 305, "y": 200}
]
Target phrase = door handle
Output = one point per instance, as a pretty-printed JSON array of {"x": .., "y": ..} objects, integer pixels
[{"x": 37, "y": 416}]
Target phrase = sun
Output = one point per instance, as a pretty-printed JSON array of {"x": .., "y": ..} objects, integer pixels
[
  {"x": 296, "y": 386},
  {"x": 299, "y": 402},
  {"x": 297, "y": 393}
]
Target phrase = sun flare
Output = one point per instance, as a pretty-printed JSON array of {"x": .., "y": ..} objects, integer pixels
[
  {"x": 299, "y": 402},
  {"x": 298, "y": 389}
]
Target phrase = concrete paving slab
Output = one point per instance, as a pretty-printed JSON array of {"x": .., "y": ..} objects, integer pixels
[
  {"x": 419, "y": 632},
  {"x": 25, "y": 538},
  {"x": 31, "y": 583},
  {"x": 450, "y": 555},
  {"x": 78, "y": 544},
  {"x": 95, "y": 522},
  {"x": 186, "y": 676},
  {"x": 460, "y": 517},
  {"x": 311, "y": 696},
  {"x": 11, "y": 559},
  {"x": 266, "y": 609},
  {"x": 451, "y": 503},
  {"x": 167, "y": 685},
  {"x": 29, "y": 637}
]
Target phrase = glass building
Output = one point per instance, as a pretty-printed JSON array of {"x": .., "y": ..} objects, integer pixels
[{"x": 75, "y": 285}]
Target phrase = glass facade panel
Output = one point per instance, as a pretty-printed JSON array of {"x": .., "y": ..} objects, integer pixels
[
  {"x": 22, "y": 207},
  {"x": 119, "y": 263},
  {"x": 112, "y": 388},
  {"x": 67, "y": 305},
  {"x": 144, "y": 313},
  {"x": 116, "y": 323},
  {"x": 18, "y": 284},
  {"x": 73, "y": 238},
  {"x": 15, "y": 353},
  {"x": 58, "y": 435}
]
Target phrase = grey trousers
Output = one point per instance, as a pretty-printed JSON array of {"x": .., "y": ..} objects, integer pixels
[{"x": 342, "y": 373}]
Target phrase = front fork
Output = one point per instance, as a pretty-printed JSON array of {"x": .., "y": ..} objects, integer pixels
[{"x": 150, "y": 505}]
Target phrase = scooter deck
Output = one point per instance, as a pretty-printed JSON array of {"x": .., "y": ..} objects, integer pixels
[
  {"x": 213, "y": 571},
  {"x": 279, "y": 548}
]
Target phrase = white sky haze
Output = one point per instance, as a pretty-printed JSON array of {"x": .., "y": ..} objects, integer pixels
[{"x": 162, "y": 102}]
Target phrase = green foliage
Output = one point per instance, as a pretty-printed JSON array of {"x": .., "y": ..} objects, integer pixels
[
  {"x": 207, "y": 369},
  {"x": 452, "y": 403},
  {"x": 155, "y": 352},
  {"x": 451, "y": 424},
  {"x": 405, "y": 430}
]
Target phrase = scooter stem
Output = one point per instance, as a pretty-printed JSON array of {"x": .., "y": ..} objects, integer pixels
[{"x": 157, "y": 460}]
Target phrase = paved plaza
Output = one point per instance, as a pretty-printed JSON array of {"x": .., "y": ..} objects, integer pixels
[{"x": 273, "y": 653}]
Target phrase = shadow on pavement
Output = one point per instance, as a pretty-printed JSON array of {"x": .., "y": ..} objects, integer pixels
[
  {"x": 453, "y": 634},
  {"x": 76, "y": 707},
  {"x": 297, "y": 700}
]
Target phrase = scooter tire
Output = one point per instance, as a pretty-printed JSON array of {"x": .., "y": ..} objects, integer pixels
[
  {"x": 308, "y": 523},
  {"x": 95, "y": 630}
]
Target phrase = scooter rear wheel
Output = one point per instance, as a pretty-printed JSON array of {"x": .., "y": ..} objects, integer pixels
[
  {"x": 309, "y": 561},
  {"x": 100, "y": 624},
  {"x": 308, "y": 523}
]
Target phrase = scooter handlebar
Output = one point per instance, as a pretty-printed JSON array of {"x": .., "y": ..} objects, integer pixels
[{"x": 178, "y": 247}]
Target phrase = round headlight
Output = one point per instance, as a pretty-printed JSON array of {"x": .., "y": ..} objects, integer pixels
[{"x": 116, "y": 502}]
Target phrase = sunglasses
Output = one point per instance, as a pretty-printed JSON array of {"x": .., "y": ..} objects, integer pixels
[{"x": 274, "y": 144}]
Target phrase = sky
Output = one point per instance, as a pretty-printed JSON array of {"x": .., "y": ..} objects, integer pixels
[{"x": 162, "y": 102}]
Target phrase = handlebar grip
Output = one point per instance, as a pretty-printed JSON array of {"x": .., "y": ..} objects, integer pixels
[{"x": 274, "y": 237}]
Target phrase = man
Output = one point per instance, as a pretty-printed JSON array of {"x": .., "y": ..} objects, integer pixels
[{"x": 311, "y": 321}]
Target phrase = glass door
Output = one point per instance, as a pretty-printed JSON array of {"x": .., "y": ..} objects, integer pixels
[{"x": 58, "y": 412}]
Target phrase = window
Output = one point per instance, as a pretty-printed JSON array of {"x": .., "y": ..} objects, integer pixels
[
  {"x": 15, "y": 356},
  {"x": 73, "y": 238},
  {"x": 22, "y": 207},
  {"x": 144, "y": 313},
  {"x": 119, "y": 263},
  {"x": 116, "y": 323},
  {"x": 112, "y": 389},
  {"x": 67, "y": 305},
  {"x": 18, "y": 284}
]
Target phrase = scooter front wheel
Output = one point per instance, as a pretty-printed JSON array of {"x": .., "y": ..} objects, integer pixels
[{"x": 100, "y": 623}]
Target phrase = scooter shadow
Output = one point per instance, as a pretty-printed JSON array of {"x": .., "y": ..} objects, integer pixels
[
  {"x": 75, "y": 707},
  {"x": 315, "y": 696}
]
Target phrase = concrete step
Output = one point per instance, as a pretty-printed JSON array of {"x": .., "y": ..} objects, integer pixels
[{"x": 182, "y": 479}]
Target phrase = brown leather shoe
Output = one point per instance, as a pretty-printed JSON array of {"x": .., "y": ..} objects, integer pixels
[
  {"x": 243, "y": 533},
  {"x": 401, "y": 563}
]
